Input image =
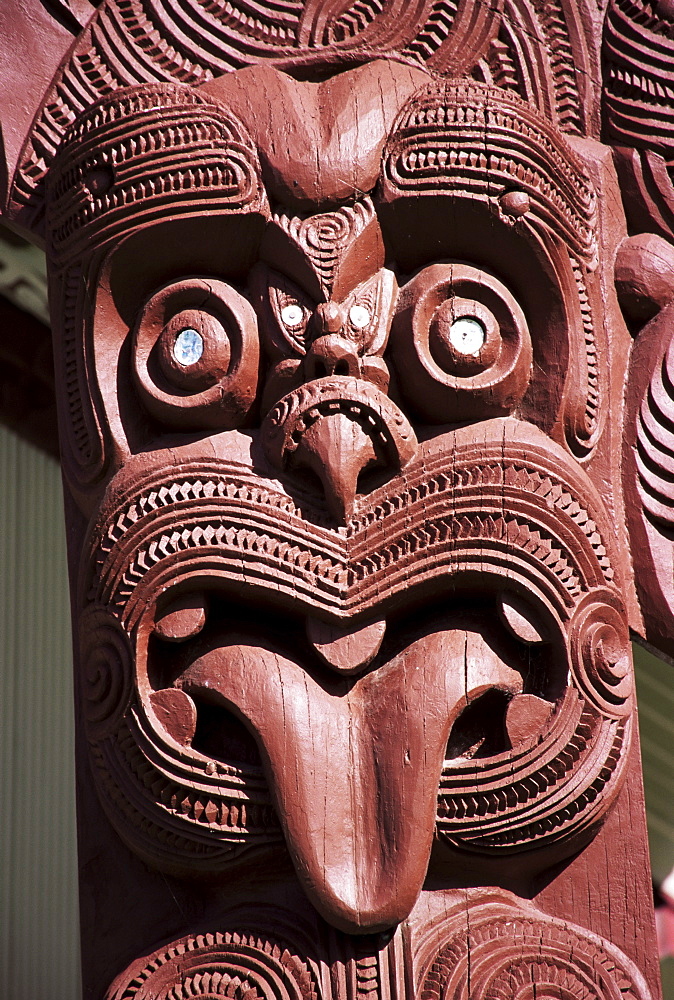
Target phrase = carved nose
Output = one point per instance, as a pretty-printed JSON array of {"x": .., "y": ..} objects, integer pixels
[
  {"x": 328, "y": 318},
  {"x": 331, "y": 355},
  {"x": 337, "y": 427}
]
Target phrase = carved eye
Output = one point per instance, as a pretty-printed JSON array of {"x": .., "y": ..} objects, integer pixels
[
  {"x": 194, "y": 349},
  {"x": 461, "y": 345},
  {"x": 464, "y": 337},
  {"x": 285, "y": 308},
  {"x": 196, "y": 355},
  {"x": 360, "y": 317},
  {"x": 294, "y": 317}
]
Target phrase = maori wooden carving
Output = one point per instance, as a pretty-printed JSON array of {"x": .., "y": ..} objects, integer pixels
[{"x": 362, "y": 319}]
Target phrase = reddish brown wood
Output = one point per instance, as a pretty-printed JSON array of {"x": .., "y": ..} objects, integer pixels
[{"x": 345, "y": 301}]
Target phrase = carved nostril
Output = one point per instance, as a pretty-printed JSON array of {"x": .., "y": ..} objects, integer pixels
[{"x": 331, "y": 355}]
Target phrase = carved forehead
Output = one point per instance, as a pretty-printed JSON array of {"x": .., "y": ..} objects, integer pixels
[
  {"x": 320, "y": 144},
  {"x": 258, "y": 139}
]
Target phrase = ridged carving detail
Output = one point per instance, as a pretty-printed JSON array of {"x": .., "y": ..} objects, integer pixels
[
  {"x": 131, "y": 42},
  {"x": 466, "y": 139},
  {"x": 83, "y": 445},
  {"x": 638, "y": 56},
  {"x": 114, "y": 163},
  {"x": 655, "y": 442},
  {"x": 107, "y": 671},
  {"x": 182, "y": 810},
  {"x": 508, "y": 950},
  {"x": 323, "y": 238},
  {"x": 437, "y": 516},
  {"x": 557, "y": 788},
  {"x": 240, "y": 965}
]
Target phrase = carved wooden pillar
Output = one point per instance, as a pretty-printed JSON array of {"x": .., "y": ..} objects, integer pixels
[{"x": 368, "y": 477}]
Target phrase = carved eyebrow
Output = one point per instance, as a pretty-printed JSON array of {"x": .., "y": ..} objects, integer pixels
[
  {"x": 153, "y": 153},
  {"x": 466, "y": 138}
]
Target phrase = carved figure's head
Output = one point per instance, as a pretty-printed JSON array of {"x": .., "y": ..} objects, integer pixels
[{"x": 340, "y": 346}]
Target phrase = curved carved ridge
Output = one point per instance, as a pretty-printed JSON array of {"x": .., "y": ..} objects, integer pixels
[
  {"x": 557, "y": 789},
  {"x": 540, "y": 55},
  {"x": 154, "y": 151},
  {"x": 83, "y": 447},
  {"x": 507, "y": 949},
  {"x": 172, "y": 810},
  {"x": 584, "y": 432},
  {"x": 638, "y": 77},
  {"x": 491, "y": 945},
  {"x": 463, "y": 136},
  {"x": 655, "y": 441},
  {"x": 130, "y": 43},
  {"x": 240, "y": 964},
  {"x": 184, "y": 812},
  {"x": 225, "y": 523}
]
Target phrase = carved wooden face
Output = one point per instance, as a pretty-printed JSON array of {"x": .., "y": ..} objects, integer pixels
[{"x": 337, "y": 411}]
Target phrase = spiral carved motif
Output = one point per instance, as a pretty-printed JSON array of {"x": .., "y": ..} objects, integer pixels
[
  {"x": 510, "y": 953},
  {"x": 326, "y": 239},
  {"x": 599, "y": 645},
  {"x": 106, "y": 671},
  {"x": 239, "y": 966}
]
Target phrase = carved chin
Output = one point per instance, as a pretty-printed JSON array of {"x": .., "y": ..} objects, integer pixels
[{"x": 337, "y": 684}]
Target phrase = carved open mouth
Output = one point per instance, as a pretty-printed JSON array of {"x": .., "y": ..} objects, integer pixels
[
  {"x": 339, "y": 427},
  {"x": 272, "y": 647},
  {"x": 337, "y": 713}
]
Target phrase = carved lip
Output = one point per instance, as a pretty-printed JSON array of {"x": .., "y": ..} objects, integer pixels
[
  {"x": 289, "y": 419},
  {"x": 461, "y": 506}
]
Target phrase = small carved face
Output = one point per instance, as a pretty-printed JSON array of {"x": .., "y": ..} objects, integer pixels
[{"x": 348, "y": 584}]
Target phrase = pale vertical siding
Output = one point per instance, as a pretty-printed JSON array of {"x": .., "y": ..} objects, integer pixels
[{"x": 38, "y": 878}]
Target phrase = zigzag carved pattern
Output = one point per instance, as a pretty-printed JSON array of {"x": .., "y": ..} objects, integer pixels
[
  {"x": 435, "y": 31},
  {"x": 314, "y": 559},
  {"x": 563, "y": 65},
  {"x": 483, "y": 817}
]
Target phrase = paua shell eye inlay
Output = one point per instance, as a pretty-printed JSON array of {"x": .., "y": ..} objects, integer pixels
[
  {"x": 188, "y": 347},
  {"x": 467, "y": 335}
]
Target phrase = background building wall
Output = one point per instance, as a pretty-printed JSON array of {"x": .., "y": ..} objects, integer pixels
[{"x": 39, "y": 932}]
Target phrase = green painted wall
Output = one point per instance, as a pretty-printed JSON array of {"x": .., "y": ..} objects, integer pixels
[
  {"x": 39, "y": 957},
  {"x": 655, "y": 690}
]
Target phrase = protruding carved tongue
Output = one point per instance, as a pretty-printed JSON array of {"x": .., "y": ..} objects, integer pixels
[{"x": 355, "y": 769}]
